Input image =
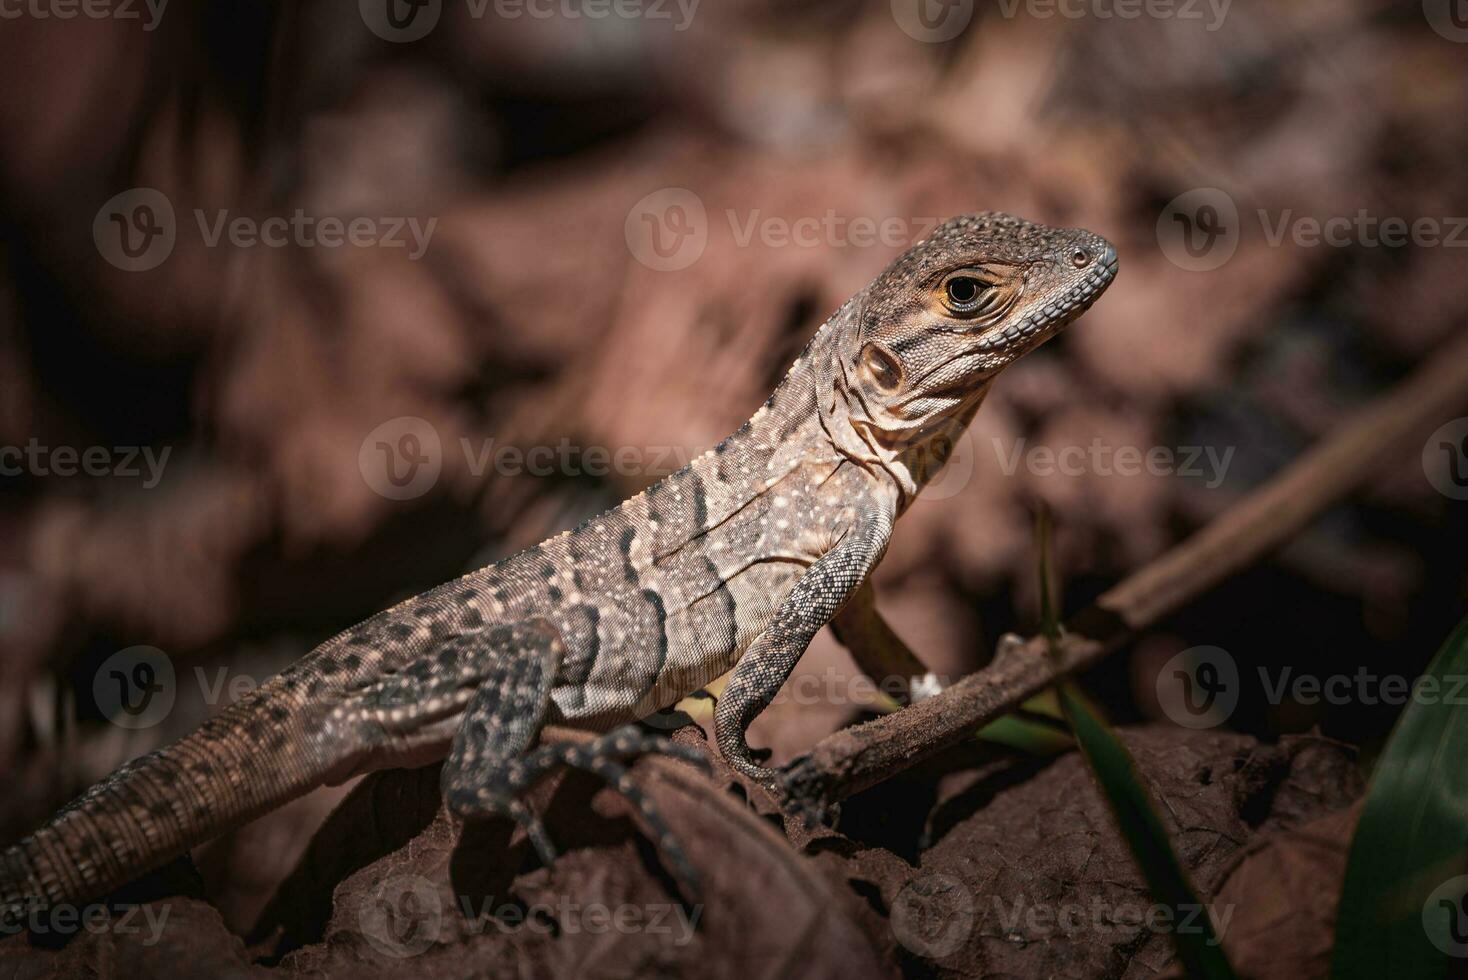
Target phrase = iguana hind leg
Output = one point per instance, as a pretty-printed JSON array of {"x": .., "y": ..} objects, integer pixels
[{"x": 502, "y": 685}]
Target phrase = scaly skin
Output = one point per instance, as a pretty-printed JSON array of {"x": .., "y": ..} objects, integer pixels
[{"x": 735, "y": 561}]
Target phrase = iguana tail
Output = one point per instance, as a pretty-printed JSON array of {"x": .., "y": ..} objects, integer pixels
[{"x": 253, "y": 756}]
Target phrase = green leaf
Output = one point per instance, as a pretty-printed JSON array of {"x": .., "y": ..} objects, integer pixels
[
  {"x": 1131, "y": 803},
  {"x": 1029, "y": 733},
  {"x": 1402, "y": 904}
]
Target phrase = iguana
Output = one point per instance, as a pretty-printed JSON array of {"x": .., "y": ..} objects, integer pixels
[{"x": 733, "y": 562}]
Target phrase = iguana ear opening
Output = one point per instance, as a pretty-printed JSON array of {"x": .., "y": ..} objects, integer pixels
[{"x": 881, "y": 367}]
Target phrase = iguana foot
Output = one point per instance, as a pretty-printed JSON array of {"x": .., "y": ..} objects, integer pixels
[{"x": 602, "y": 756}]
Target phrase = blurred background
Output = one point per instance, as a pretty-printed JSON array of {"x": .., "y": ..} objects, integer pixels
[{"x": 289, "y": 291}]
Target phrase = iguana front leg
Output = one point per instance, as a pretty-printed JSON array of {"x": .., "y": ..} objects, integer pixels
[{"x": 815, "y": 599}]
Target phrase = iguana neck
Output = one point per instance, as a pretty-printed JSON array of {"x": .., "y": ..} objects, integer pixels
[{"x": 826, "y": 371}]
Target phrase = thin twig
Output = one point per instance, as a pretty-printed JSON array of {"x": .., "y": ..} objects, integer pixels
[{"x": 862, "y": 756}]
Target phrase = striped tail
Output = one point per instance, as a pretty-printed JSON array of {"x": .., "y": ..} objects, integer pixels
[{"x": 260, "y": 752}]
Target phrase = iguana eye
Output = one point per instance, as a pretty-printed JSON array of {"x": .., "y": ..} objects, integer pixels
[
  {"x": 1080, "y": 258},
  {"x": 883, "y": 367},
  {"x": 966, "y": 295},
  {"x": 963, "y": 293}
]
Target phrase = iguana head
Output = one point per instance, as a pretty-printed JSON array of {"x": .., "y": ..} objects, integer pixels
[{"x": 913, "y": 355}]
